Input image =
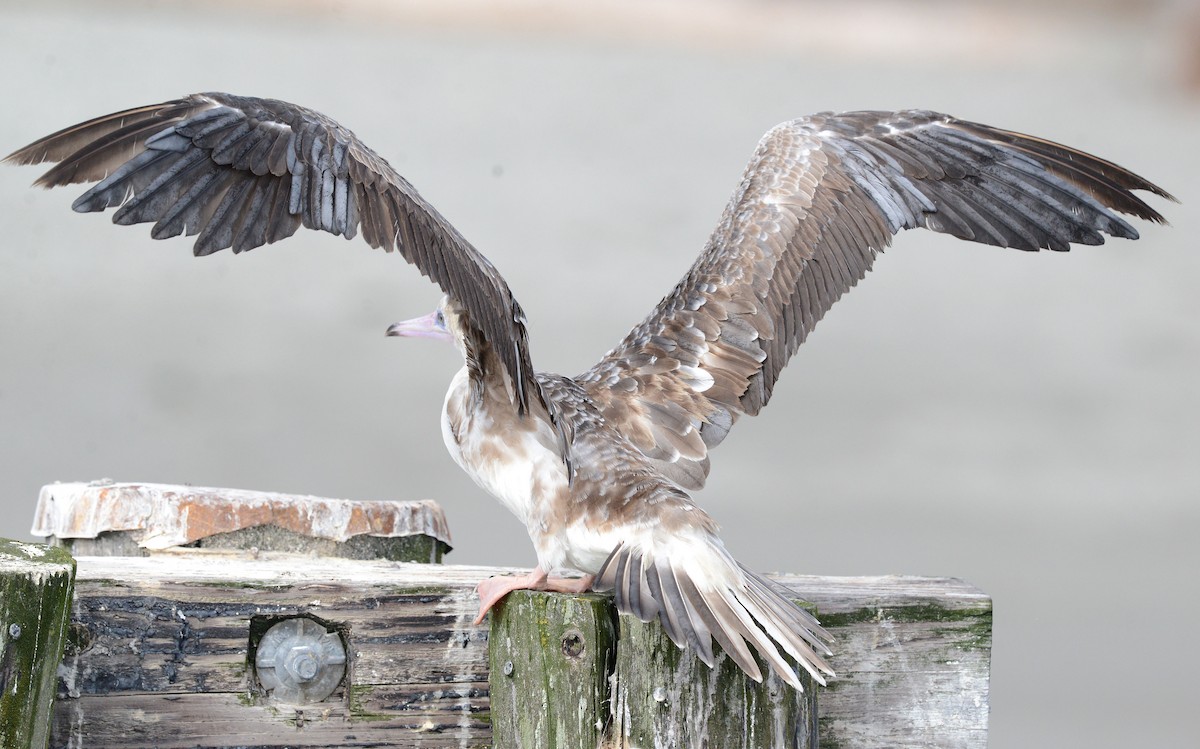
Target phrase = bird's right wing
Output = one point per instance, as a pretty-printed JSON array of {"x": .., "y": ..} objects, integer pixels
[
  {"x": 243, "y": 172},
  {"x": 820, "y": 197}
]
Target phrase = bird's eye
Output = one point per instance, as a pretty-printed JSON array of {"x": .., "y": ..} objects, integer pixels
[{"x": 440, "y": 319}]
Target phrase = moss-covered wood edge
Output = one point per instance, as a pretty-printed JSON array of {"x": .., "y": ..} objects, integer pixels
[{"x": 36, "y": 584}]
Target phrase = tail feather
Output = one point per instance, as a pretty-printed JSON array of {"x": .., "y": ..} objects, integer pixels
[
  {"x": 779, "y": 599},
  {"x": 699, "y": 593},
  {"x": 797, "y": 640},
  {"x": 682, "y": 613},
  {"x": 737, "y": 626},
  {"x": 641, "y": 603},
  {"x": 723, "y": 623}
]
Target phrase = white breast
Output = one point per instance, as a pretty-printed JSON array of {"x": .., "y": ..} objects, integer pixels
[{"x": 503, "y": 454}]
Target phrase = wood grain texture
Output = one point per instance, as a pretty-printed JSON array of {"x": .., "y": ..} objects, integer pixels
[
  {"x": 913, "y": 657},
  {"x": 665, "y": 697},
  {"x": 160, "y": 646},
  {"x": 550, "y": 660},
  {"x": 161, "y": 654},
  {"x": 35, "y": 600}
]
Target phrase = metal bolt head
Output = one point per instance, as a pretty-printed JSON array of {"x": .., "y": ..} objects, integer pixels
[
  {"x": 573, "y": 643},
  {"x": 14, "y": 631},
  {"x": 302, "y": 662},
  {"x": 299, "y": 663},
  {"x": 508, "y": 668}
]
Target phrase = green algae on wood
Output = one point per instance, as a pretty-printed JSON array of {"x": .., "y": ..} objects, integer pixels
[
  {"x": 666, "y": 697},
  {"x": 415, "y": 548},
  {"x": 35, "y": 602},
  {"x": 549, "y": 660},
  {"x": 911, "y": 656},
  {"x": 913, "y": 661}
]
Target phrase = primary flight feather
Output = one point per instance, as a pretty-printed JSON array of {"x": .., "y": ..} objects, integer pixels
[{"x": 598, "y": 466}]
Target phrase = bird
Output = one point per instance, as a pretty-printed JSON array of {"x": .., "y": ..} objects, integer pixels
[{"x": 601, "y": 467}]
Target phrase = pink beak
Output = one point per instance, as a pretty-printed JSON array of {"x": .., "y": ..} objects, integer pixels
[{"x": 432, "y": 325}]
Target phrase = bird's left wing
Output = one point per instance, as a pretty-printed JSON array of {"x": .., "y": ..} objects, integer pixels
[
  {"x": 242, "y": 172},
  {"x": 820, "y": 197}
]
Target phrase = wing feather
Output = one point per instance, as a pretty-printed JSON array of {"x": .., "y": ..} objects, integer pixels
[
  {"x": 820, "y": 198},
  {"x": 242, "y": 172}
]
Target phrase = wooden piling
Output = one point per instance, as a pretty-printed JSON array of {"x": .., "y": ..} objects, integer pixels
[
  {"x": 664, "y": 696},
  {"x": 564, "y": 672},
  {"x": 549, "y": 660},
  {"x": 36, "y": 583}
]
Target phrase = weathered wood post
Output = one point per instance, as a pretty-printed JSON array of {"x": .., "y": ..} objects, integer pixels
[
  {"x": 563, "y": 672},
  {"x": 912, "y": 656},
  {"x": 549, "y": 659},
  {"x": 664, "y": 696},
  {"x": 35, "y": 601}
]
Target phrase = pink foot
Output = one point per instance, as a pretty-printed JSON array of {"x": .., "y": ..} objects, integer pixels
[
  {"x": 568, "y": 584},
  {"x": 493, "y": 589}
]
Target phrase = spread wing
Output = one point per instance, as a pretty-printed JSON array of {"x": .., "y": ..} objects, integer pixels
[
  {"x": 241, "y": 172},
  {"x": 820, "y": 198}
]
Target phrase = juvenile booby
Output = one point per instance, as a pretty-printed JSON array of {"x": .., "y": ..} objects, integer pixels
[{"x": 598, "y": 466}]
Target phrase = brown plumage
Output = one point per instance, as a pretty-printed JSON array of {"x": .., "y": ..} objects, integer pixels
[
  {"x": 597, "y": 466},
  {"x": 820, "y": 198},
  {"x": 243, "y": 172}
]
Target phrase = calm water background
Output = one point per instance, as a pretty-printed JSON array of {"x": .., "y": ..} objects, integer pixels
[{"x": 1027, "y": 422}]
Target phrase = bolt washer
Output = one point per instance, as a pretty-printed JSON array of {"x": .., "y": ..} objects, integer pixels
[{"x": 299, "y": 663}]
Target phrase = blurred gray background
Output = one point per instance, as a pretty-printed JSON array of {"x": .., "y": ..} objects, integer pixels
[{"x": 1027, "y": 422}]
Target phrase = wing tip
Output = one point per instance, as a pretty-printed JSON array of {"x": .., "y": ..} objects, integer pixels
[{"x": 23, "y": 157}]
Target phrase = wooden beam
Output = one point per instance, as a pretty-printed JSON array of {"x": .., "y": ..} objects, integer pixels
[
  {"x": 161, "y": 656},
  {"x": 913, "y": 657}
]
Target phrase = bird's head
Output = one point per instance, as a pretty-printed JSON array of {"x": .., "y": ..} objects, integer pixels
[{"x": 444, "y": 324}]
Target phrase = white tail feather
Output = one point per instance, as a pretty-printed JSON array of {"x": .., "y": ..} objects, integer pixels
[{"x": 700, "y": 593}]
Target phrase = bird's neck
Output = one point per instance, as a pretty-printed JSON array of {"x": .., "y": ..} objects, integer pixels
[{"x": 488, "y": 380}]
